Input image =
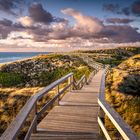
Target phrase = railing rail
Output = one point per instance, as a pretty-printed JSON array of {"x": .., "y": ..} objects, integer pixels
[
  {"x": 124, "y": 129},
  {"x": 79, "y": 84},
  {"x": 30, "y": 108}
]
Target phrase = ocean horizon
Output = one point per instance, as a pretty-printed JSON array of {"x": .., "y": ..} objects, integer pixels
[{"x": 14, "y": 56}]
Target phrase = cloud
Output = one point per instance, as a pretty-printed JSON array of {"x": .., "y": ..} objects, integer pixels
[
  {"x": 84, "y": 27},
  {"x": 116, "y": 8},
  {"x": 136, "y": 8},
  {"x": 132, "y": 9},
  {"x": 25, "y": 21},
  {"x": 84, "y": 23},
  {"x": 119, "y": 20},
  {"x": 7, "y": 26},
  {"x": 70, "y": 44},
  {"x": 6, "y": 22},
  {"x": 111, "y": 7},
  {"x": 19, "y": 35},
  {"x": 60, "y": 31},
  {"x": 121, "y": 33},
  {"x": 125, "y": 11},
  {"x": 38, "y": 14},
  {"x": 9, "y": 6}
]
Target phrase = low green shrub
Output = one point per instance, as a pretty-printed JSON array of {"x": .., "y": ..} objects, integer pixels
[
  {"x": 10, "y": 79},
  {"x": 49, "y": 77}
]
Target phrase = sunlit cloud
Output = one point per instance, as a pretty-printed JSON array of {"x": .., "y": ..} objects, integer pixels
[
  {"x": 84, "y": 23},
  {"x": 25, "y": 21}
]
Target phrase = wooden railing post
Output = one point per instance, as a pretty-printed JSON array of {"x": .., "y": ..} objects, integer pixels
[
  {"x": 34, "y": 112},
  {"x": 80, "y": 85},
  {"x": 70, "y": 80},
  {"x": 101, "y": 115},
  {"x": 86, "y": 81},
  {"x": 57, "y": 92}
]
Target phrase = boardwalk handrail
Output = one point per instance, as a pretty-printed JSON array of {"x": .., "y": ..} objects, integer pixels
[
  {"x": 30, "y": 108},
  {"x": 124, "y": 129},
  {"x": 79, "y": 84}
]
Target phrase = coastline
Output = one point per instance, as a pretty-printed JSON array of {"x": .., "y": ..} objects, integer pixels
[{"x": 15, "y": 59}]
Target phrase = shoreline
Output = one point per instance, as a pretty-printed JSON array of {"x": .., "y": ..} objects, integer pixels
[{"x": 23, "y": 58}]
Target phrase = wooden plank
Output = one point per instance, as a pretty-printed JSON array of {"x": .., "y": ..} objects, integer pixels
[
  {"x": 65, "y": 136},
  {"x": 44, "y": 108}
]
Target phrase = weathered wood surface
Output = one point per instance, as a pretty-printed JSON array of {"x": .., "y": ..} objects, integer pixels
[{"x": 76, "y": 116}]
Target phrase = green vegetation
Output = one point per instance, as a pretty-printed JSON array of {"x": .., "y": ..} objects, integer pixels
[
  {"x": 10, "y": 79},
  {"x": 44, "y": 69},
  {"x": 113, "y": 57},
  {"x": 49, "y": 77}
]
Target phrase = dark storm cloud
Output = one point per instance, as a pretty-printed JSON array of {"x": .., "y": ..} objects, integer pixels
[
  {"x": 125, "y": 11},
  {"x": 7, "y": 26},
  {"x": 39, "y": 34},
  {"x": 111, "y": 7},
  {"x": 57, "y": 19},
  {"x": 6, "y": 22},
  {"x": 119, "y": 20},
  {"x": 38, "y": 14},
  {"x": 9, "y": 6},
  {"x": 136, "y": 8},
  {"x": 116, "y": 8},
  {"x": 132, "y": 9},
  {"x": 121, "y": 34}
]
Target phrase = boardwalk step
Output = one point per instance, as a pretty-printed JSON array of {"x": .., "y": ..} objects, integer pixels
[{"x": 65, "y": 136}]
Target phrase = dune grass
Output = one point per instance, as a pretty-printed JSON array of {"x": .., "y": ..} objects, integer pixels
[{"x": 123, "y": 93}]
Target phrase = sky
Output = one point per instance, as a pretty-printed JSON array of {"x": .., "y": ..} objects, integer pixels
[{"x": 67, "y": 25}]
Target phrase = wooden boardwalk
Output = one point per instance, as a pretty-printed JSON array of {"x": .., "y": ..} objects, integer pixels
[{"x": 76, "y": 116}]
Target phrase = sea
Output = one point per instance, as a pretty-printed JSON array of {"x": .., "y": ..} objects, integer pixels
[{"x": 13, "y": 56}]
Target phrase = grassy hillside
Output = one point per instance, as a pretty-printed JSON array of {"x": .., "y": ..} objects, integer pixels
[
  {"x": 113, "y": 57},
  {"x": 123, "y": 92},
  {"x": 41, "y": 70}
]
